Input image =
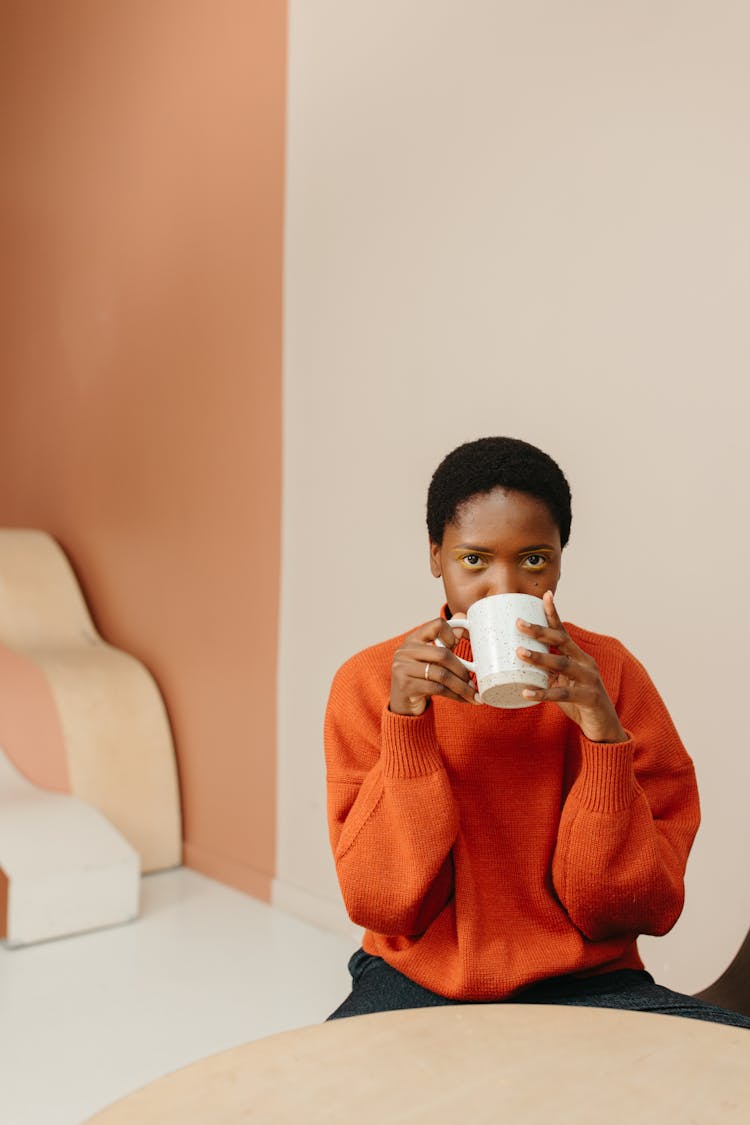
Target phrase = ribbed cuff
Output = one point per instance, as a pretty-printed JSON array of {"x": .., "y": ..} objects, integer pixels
[
  {"x": 606, "y": 781},
  {"x": 409, "y": 745}
]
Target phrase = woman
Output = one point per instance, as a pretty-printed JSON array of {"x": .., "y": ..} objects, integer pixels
[{"x": 506, "y": 855}]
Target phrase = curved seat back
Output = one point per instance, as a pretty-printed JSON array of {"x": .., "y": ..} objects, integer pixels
[{"x": 78, "y": 715}]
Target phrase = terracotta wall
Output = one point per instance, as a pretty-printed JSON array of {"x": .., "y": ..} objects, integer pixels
[{"x": 141, "y": 203}]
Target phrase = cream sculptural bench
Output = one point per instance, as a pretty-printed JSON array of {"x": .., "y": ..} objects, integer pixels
[{"x": 89, "y": 796}]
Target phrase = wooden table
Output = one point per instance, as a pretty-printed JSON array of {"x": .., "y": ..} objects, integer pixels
[{"x": 469, "y": 1065}]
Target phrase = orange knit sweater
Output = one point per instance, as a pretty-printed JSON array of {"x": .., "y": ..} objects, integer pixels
[{"x": 483, "y": 850}]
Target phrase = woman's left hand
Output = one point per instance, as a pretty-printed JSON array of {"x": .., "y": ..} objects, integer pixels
[{"x": 574, "y": 680}]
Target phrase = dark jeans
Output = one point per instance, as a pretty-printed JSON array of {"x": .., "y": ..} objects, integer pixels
[{"x": 379, "y": 988}]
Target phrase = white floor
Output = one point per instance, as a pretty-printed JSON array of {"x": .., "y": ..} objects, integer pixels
[{"x": 87, "y": 1019}]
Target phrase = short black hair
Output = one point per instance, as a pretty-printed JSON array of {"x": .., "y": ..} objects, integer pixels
[{"x": 476, "y": 467}]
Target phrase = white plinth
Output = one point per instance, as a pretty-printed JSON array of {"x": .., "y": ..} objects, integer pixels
[{"x": 68, "y": 869}]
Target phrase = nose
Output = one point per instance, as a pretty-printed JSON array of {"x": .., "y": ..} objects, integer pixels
[{"x": 503, "y": 580}]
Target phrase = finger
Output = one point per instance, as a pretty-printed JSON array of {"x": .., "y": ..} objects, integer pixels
[
  {"x": 543, "y": 633},
  {"x": 559, "y": 664},
  {"x": 556, "y": 638},
  {"x": 582, "y": 694},
  {"x": 555, "y": 632},
  {"x": 421, "y": 654},
  {"x": 550, "y": 610},
  {"x": 431, "y": 653},
  {"x": 457, "y": 632},
  {"x": 439, "y": 629},
  {"x": 437, "y": 679}
]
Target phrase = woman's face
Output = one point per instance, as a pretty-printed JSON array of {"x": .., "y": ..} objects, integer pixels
[{"x": 500, "y": 542}]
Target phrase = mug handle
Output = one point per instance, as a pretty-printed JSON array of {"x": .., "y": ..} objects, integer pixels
[{"x": 461, "y": 623}]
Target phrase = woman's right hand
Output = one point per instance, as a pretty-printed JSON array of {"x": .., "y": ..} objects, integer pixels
[{"x": 422, "y": 669}]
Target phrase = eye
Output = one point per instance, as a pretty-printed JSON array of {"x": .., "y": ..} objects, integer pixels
[
  {"x": 472, "y": 562},
  {"x": 535, "y": 562}
]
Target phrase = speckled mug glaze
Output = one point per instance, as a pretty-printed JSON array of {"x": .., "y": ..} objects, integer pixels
[{"x": 500, "y": 672}]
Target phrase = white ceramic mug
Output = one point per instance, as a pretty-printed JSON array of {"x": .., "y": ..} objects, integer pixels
[{"x": 500, "y": 672}]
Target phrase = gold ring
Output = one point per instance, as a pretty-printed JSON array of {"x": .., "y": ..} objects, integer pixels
[{"x": 427, "y": 671}]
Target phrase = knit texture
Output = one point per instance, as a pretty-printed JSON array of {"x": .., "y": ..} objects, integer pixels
[{"x": 483, "y": 849}]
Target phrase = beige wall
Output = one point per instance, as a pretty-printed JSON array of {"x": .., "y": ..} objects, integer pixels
[
  {"x": 523, "y": 219},
  {"x": 142, "y": 147}
]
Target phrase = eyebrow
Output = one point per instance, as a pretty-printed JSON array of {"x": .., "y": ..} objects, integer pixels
[{"x": 487, "y": 551}]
